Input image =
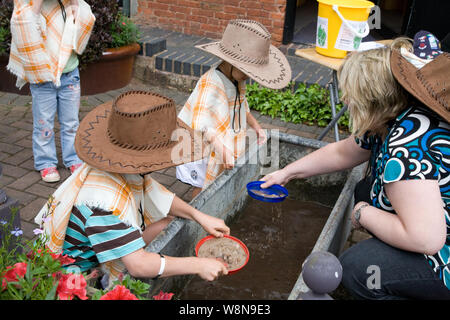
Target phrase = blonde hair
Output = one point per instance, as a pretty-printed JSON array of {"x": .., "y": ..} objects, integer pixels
[{"x": 369, "y": 88}]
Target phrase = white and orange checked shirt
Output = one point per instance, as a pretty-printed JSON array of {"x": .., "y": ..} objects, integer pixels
[
  {"x": 122, "y": 194},
  {"x": 210, "y": 109},
  {"x": 42, "y": 44}
]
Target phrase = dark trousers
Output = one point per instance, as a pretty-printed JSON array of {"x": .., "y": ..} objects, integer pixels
[{"x": 373, "y": 269}]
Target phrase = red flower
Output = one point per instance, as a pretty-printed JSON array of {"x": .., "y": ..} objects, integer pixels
[
  {"x": 19, "y": 269},
  {"x": 163, "y": 296},
  {"x": 119, "y": 293},
  {"x": 71, "y": 285},
  {"x": 63, "y": 259}
]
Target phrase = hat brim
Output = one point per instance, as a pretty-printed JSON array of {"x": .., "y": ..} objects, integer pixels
[
  {"x": 94, "y": 147},
  {"x": 276, "y": 74},
  {"x": 409, "y": 78}
]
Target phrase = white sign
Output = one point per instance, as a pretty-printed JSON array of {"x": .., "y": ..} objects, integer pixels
[{"x": 346, "y": 39}]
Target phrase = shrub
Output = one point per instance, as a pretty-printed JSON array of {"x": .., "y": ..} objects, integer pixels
[
  {"x": 6, "y": 9},
  {"x": 111, "y": 30},
  {"x": 307, "y": 104},
  {"x": 106, "y": 14},
  {"x": 124, "y": 32}
]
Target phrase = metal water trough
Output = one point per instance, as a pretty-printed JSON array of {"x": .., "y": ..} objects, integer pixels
[{"x": 227, "y": 195}]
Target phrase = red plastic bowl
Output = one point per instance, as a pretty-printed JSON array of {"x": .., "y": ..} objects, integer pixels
[{"x": 202, "y": 241}]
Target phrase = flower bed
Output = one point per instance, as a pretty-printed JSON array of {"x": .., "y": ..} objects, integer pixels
[{"x": 39, "y": 274}]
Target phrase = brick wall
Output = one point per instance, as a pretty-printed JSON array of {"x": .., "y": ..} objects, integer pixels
[{"x": 209, "y": 18}]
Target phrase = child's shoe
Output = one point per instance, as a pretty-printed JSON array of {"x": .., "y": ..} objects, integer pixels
[{"x": 50, "y": 174}]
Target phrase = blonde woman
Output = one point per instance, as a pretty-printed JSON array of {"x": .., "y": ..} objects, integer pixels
[{"x": 404, "y": 202}]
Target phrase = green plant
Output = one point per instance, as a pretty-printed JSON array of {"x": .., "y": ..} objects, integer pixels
[
  {"x": 124, "y": 32},
  {"x": 106, "y": 14},
  {"x": 36, "y": 273},
  {"x": 307, "y": 104},
  {"x": 136, "y": 287},
  {"x": 6, "y": 9},
  {"x": 111, "y": 30}
]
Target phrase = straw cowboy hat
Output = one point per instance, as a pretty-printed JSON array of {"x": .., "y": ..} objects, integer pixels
[
  {"x": 246, "y": 45},
  {"x": 133, "y": 134},
  {"x": 430, "y": 84}
]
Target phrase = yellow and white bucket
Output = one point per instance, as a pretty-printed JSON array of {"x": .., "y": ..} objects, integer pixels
[{"x": 341, "y": 25}]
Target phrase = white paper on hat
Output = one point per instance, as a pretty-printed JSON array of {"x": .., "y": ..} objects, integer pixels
[{"x": 413, "y": 59}]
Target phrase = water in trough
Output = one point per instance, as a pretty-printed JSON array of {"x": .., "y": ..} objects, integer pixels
[{"x": 279, "y": 237}]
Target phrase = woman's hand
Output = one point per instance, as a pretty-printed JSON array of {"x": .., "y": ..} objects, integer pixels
[
  {"x": 213, "y": 225},
  {"x": 210, "y": 269},
  {"x": 277, "y": 177}
]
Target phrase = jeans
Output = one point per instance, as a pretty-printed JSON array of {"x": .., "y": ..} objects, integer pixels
[
  {"x": 374, "y": 270},
  {"x": 49, "y": 100}
]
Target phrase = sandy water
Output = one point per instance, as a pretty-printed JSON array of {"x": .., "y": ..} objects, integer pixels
[{"x": 279, "y": 237}]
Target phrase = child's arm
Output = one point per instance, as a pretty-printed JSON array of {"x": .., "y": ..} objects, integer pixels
[{"x": 260, "y": 133}]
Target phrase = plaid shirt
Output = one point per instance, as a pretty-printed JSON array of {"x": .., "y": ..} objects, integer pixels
[
  {"x": 42, "y": 44},
  {"x": 134, "y": 200},
  {"x": 210, "y": 109}
]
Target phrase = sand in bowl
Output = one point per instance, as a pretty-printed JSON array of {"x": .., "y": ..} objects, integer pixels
[{"x": 226, "y": 249}]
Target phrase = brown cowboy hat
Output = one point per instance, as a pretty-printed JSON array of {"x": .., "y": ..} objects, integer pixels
[
  {"x": 246, "y": 45},
  {"x": 133, "y": 134},
  {"x": 429, "y": 84}
]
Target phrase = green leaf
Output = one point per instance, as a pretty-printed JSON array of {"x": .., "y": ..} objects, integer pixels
[{"x": 51, "y": 295}]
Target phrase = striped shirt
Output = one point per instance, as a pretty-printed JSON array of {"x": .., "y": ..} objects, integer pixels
[{"x": 96, "y": 236}]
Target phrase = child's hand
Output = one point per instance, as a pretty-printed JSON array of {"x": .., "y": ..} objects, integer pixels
[
  {"x": 74, "y": 8},
  {"x": 213, "y": 225},
  {"x": 210, "y": 269},
  {"x": 227, "y": 158},
  {"x": 262, "y": 137}
]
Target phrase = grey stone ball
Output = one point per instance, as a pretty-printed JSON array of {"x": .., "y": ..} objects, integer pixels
[{"x": 322, "y": 272}]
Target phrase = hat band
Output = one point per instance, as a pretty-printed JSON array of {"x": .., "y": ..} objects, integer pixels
[
  {"x": 243, "y": 58},
  {"x": 150, "y": 146}
]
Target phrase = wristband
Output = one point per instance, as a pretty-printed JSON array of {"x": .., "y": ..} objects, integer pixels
[{"x": 162, "y": 266}]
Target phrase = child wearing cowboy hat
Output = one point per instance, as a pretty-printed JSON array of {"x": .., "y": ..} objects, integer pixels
[
  {"x": 218, "y": 106},
  {"x": 110, "y": 209},
  {"x": 399, "y": 104}
]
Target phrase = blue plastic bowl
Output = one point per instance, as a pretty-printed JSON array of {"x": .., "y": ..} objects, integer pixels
[{"x": 274, "y": 193}]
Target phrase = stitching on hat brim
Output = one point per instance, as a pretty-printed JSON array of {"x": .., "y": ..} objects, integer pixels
[
  {"x": 403, "y": 71},
  {"x": 277, "y": 58},
  {"x": 87, "y": 153}
]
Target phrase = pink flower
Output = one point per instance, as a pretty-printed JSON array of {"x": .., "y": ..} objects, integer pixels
[
  {"x": 119, "y": 293},
  {"x": 71, "y": 285},
  {"x": 12, "y": 272},
  {"x": 163, "y": 296},
  {"x": 123, "y": 23}
]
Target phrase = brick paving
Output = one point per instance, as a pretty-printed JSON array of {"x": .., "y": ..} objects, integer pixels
[{"x": 20, "y": 181}]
